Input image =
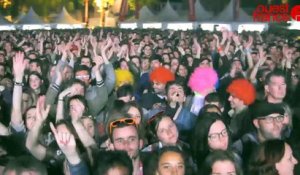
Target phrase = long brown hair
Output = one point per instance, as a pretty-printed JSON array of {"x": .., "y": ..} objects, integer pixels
[{"x": 264, "y": 158}]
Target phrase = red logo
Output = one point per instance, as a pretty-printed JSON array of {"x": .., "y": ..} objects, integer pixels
[
  {"x": 271, "y": 13},
  {"x": 276, "y": 13},
  {"x": 295, "y": 13}
]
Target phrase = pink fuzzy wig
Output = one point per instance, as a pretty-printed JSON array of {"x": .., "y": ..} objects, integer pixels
[{"x": 203, "y": 79}]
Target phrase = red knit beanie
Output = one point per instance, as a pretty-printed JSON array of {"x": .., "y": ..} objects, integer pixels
[
  {"x": 243, "y": 90},
  {"x": 162, "y": 75}
]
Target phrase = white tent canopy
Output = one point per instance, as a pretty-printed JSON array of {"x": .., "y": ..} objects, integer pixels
[
  {"x": 244, "y": 17},
  {"x": 30, "y": 18},
  {"x": 145, "y": 14},
  {"x": 227, "y": 14},
  {"x": 65, "y": 18},
  {"x": 201, "y": 13},
  {"x": 168, "y": 14}
]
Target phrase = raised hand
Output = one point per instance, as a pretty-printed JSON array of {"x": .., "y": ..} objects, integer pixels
[
  {"x": 93, "y": 42},
  {"x": 41, "y": 111},
  {"x": 66, "y": 92},
  {"x": 19, "y": 65},
  {"x": 250, "y": 42},
  {"x": 235, "y": 38},
  {"x": 65, "y": 141},
  {"x": 98, "y": 60}
]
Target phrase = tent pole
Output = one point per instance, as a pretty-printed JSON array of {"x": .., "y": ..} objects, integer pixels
[{"x": 192, "y": 16}]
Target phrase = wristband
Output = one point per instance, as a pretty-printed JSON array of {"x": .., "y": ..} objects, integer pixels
[{"x": 18, "y": 83}]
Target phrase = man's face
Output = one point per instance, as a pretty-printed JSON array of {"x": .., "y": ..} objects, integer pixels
[
  {"x": 34, "y": 67},
  {"x": 176, "y": 93},
  {"x": 155, "y": 64},
  {"x": 127, "y": 139},
  {"x": 235, "y": 102},
  {"x": 269, "y": 128},
  {"x": 270, "y": 64},
  {"x": 237, "y": 65},
  {"x": 161, "y": 43},
  {"x": 276, "y": 89},
  {"x": 83, "y": 76},
  {"x": 159, "y": 88},
  {"x": 145, "y": 64}
]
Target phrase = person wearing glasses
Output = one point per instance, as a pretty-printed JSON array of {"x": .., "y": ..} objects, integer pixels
[
  {"x": 268, "y": 120},
  {"x": 124, "y": 136},
  {"x": 209, "y": 134}
]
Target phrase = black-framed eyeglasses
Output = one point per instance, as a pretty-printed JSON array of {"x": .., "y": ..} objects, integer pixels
[
  {"x": 268, "y": 119},
  {"x": 216, "y": 136}
]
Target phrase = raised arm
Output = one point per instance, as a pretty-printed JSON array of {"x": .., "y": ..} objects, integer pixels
[
  {"x": 248, "y": 52},
  {"x": 19, "y": 64},
  {"x": 198, "y": 48},
  {"x": 32, "y": 143},
  {"x": 67, "y": 145},
  {"x": 60, "y": 103},
  {"x": 83, "y": 135},
  {"x": 97, "y": 96},
  {"x": 109, "y": 71}
]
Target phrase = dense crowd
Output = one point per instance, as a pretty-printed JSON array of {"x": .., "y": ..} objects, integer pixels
[{"x": 152, "y": 102}]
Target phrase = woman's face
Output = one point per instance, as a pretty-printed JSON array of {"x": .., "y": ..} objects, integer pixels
[
  {"x": 287, "y": 163},
  {"x": 135, "y": 113},
  {"x": 190, "y": 61},
  {"x": 124, "y": 66},
  {"x": 171, "y": 163},
  {"x": 34, "y": 82},
  {"x": 295, "y": 79},
  {"x": 30, "y": 117},
  {"x": 166, "y": 58},
  {"x": 218, "y": 136},
  {"x": 76, "y": 109},
  {"x": 147, "y": 50},
  {"x": 26, "y": 101},
  {"x": 182, "y": 71},
  {"x": 204, "y": 63},
  {"x": 89, "y": 126},
  {"x": 167, "y": 131},
  {"x": 223, "y": 167},
  {"x": 136, "y": 61},
  {"x": 174, "y": 65}
]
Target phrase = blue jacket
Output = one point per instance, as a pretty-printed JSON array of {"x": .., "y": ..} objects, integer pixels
[{"x": 185, "y": 120}]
